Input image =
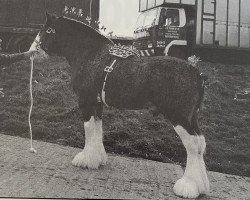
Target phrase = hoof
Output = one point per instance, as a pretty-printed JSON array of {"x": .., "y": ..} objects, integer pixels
[
  {"x": 90, "y": 162},
  {"x": 186, "y": 188}
]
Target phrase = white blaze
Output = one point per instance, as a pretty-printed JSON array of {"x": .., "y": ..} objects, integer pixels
[{"x": 35, "y": 46}]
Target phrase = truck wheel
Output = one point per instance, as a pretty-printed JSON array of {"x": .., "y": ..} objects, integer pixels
[
  {"x": 178, "y": 52},
  {"x": 159, "y": 52}
]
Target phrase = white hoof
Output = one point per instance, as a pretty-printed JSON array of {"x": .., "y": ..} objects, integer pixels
[
  {"x": 85, "y": 160},
  {"x": 186, "y": 188}
]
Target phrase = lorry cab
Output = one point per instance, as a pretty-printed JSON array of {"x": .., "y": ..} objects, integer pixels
[{"x": 162, "y": 31}]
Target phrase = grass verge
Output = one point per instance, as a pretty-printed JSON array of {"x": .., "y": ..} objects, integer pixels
[{"x": 56, "y": 118}]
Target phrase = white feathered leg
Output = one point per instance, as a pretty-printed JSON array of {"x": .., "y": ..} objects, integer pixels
[
  {"x": 93, "y": 154},
  {"x": 194, "y": 181}
]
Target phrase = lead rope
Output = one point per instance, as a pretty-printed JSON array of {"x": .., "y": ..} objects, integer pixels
[{"x": 32, "y": 150}]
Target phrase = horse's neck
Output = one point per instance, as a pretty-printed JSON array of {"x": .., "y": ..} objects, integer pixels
[
  {"x": 81, "y": 51},
  {"x": 84, "y": 57}
]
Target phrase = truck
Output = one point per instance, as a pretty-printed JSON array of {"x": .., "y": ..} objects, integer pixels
[
  {"x": 181, "y": 28},
  {"x": 21, "y": 20}
]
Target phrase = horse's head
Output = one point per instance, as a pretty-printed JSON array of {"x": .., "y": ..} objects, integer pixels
[
  {"x": 61, "y": 36},
  {"x": 48, "y": 36}
]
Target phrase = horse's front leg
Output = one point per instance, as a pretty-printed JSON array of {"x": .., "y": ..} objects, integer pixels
[{"x": 93, "y": 154}]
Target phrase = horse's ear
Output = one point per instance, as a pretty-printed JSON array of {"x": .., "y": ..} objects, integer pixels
[{"x": 48, "y": 17}]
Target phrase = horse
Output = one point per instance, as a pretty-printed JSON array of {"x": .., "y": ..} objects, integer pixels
[{"x": 173, "y": 87}]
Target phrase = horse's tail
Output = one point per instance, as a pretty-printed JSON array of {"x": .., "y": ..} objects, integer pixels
[{"x": 202, "y": 81}]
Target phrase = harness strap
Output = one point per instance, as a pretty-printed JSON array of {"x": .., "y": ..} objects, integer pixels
[
  {"x": 117, "y": 51},
  {"x": 108, "y": 70}
]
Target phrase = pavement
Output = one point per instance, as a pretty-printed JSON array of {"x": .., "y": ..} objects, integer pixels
[{"x": 50, "y": 174}]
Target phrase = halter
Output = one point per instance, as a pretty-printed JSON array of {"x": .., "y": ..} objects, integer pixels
[{"x": 51, "y": 30}]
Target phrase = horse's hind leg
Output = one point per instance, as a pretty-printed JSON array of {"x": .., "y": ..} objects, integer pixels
[
  {"x": 194, "y": 181},
  {"x": 93, "y": 154}
]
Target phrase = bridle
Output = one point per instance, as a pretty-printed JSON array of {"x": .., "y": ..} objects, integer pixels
[{"x": 51, "y": 32}]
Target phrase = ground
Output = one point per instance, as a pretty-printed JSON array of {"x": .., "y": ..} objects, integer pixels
[
  {"x": 49, "y": 174},
  {"x": 56, "y": 118}
]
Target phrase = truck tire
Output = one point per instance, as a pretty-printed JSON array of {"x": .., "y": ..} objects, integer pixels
[
  {"x": 159, "y": 51},
  {"x": 178, "y": 52}
]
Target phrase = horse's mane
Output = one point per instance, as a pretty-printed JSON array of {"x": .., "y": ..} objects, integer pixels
[{"x": 86, "y": 28}]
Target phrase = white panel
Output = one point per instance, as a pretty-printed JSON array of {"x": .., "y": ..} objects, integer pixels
[
  {"x": 172, "y": 1},
  {"x": 143, "y": 4},
  {"x": 159, "y": 2},
  {"x": 207, "y": 29},
  {"x": 245, "y": 24},
  {"x": 244, "y": 37},
  {"x": 221, "y": 10},
  {"x": 209, "y": 17},
  {"x": 221, "y": 34},
  {"x": 233, "y": 35},
  {"x": 245, "y": 12},
  {"x": 190, "y": 2},
  {"x": 151, "y": 3},
  {"x": 221, "y": 18},
  {"x": 233, "y": 21},
  {"x": 233, "y": 11},
  {"x": 209, "y": 6},
  {"x": 198, "y": 29}
]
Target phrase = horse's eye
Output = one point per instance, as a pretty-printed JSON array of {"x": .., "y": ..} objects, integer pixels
[{"x": 48, "y": 30}]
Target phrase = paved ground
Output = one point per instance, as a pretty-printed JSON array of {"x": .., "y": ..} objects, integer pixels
[{"x": 49, "y": 174}]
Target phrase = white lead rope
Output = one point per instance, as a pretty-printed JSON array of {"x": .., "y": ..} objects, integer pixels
[{"x": 32, "y": 150}]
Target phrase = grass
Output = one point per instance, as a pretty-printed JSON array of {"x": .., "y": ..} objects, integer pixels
[{"x": 56, "y": 118}]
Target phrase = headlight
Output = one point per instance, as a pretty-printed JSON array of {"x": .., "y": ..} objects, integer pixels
[{"x": 150, "y": 45}]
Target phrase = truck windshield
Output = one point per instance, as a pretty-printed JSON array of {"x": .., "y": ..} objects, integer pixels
[
  {"x": 169, "y": 17},
  {"x": 146, "y": 19}
]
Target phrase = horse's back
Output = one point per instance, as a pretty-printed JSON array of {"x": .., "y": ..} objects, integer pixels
[{"x": 165, "y": 81}]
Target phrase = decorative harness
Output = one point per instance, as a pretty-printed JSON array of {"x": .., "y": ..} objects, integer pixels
[{"x": 118, "y": 51}]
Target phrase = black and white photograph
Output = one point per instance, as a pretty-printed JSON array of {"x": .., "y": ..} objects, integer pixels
[{"x": 125, "y": 99}]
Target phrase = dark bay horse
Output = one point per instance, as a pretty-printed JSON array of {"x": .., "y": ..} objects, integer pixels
[{"x": 174, "y": 87}]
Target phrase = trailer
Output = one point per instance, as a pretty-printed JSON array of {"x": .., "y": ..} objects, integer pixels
[
  {"x": 181, "y": 28},
  {"x": 20, "y": 20}
]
